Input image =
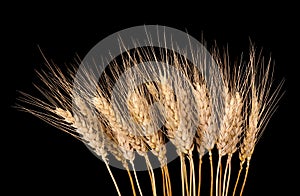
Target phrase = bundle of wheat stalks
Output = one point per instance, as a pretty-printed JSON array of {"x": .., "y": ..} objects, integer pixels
[{"x": 198, "y": 113}]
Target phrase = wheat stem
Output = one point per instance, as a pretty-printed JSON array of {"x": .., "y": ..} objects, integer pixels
[
  {"x": 245, "y": 177},
  {"x": 184, "y": 180},
  {"x": 185, "y": 177},
  {"x": 163, "y": 181},
  {"x": 182, "y": 176},
  {"x": 228, "y": 180},
  {"x": 151, "y": 175},
  {"x": 227, "y": 175},
  {"x": 136, "y": 179},
  {"x": 220, "y": 181},
  {"x": 218, "y": 175},
  {"x": 224, "y": 179},
  {"x": 199, "y": 175},
  {"x": 211, "y": 173},
  {"x": 112, "y": 177},
  {"x": 131, "y": 181},
  {"x": 238, "y": 177},
  {"x": 168, "y": 181},
  {"x": 192, "y": 176}
]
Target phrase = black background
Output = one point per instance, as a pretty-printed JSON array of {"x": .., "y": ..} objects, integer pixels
[{"x": 40, "y": 159}]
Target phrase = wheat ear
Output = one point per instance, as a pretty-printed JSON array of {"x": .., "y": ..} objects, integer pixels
[
  {"x": 184, "y": 134},
  {"x": 95, "y": 139},
  {"x": 235, "y": 134},
  {"x": 232, "y": 117},
  {"x": 156, "y": 141},
  {"x": 229, "y": 133},
  {"x": 92, "y": 139},
  {"x": 136, "y": 100},
  {"x": 223, "y": 133},
  {"x": 124, "y": 139},
  {"x": 205, "y": 138},
  {"x": 167, "y": 98},
  {"x": 263, "y": 104},
  {"x": 81, "y": 124}
]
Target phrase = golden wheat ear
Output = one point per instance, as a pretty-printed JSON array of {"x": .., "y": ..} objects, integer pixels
[
  {"x": 61, "y": 107},
  {"x": 231, "y": 116},
  {"x": 262, "y": 102}
]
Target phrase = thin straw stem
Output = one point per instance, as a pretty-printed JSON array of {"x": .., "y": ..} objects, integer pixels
[
  {"x": 211, "y": 173},
  {"x": 136, "y": 179},
  {"x": 220, "y": 181},
  {"x": 229, "y": 174},
  {"x": 224, "y": 179},
  {"x": 131, "y": 182},
  {"x": 168, "y": 182},
  {"x": 182, "y": 176},
  {"x": 199, "y": 175},
  {"x": 238, "y": 177},
  {"x": 163, "y": 181},
  {"x": 245, "y": 178},
  {"x": 151, "y": 175},
  {"x": 112, "y": 177},
  {"x": 192, "y": 176},
  {"x": 218, "y": 175}
]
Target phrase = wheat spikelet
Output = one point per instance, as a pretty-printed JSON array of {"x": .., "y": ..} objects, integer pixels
[
  {"x": 154, "y": 137},
  {"x": 170, "y": 107},
  {"x": 154, "y": 90}
]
